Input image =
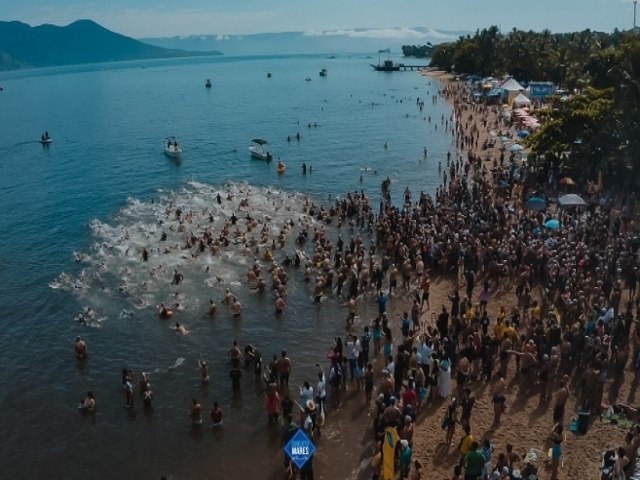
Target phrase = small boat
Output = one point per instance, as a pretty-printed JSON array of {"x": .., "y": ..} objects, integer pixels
[
  {"x": 172, "y": 149},
  {"x": 269, "y": 75},
  {"x": 207, "y": 83},
  {"x": 323, "y": 72},
  {"x": 281, "y": 166},
  {"x": 258, "y": 151},
  {"x": 308, "y": 79}
]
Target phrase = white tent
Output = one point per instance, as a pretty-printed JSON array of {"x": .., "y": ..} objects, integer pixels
[
  {"x": 521, "y": 101},
  {"x": 512, "y": 85}
]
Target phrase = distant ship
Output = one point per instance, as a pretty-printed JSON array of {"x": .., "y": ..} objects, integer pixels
[{"x": 387, "y": 66}]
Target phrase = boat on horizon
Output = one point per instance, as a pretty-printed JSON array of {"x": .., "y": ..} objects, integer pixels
[
  {"x": 207, "y": 84},
  {"x": 387, "y": 66},
  {"x": 172, "y": 149},
  {"x": 258, "y": 151}
]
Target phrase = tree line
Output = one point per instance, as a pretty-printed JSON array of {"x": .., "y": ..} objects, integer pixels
[{"x": 595, "y": 129}]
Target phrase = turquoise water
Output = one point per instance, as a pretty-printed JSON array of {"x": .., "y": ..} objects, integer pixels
[{"x": 95, "y": 183}]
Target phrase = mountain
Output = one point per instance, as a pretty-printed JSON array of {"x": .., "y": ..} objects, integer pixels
[
  {"x": 83, "y": 41},
  {"x": 358, "y": 40}
]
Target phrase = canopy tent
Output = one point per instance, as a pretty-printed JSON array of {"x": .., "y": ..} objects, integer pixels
[
  {"x": 512, "y": 85},
  {"x": 521, "y": 101}
]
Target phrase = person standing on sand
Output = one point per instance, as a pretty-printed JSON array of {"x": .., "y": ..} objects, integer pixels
[
  {"x": 560, "y": 400},
  {"x": 499, "y": 400}
]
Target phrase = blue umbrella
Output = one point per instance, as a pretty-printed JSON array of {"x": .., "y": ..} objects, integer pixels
[
  {"x": 523, "y": 134},
  {"x": 516, "y": 147},
  {"x": 536, "y": 204},
  {"x": 552, "y": 224}
]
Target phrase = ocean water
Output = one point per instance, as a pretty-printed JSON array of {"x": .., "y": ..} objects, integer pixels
[{"x": 76, "y": 214}]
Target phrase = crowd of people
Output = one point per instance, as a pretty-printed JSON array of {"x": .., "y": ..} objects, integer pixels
[{"x": 573, "y": 322}]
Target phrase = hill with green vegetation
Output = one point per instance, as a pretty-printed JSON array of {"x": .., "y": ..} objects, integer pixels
[{"x": 83, "y": 41}]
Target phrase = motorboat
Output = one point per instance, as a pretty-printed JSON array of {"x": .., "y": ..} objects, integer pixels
[
  {"x": 281, "y": 166},
  {"x": 258, "y": 150},
  {"x": 207, "y": 83},
  {"x": 323, "y": 72},
  {"x": 172, "y": 149}
]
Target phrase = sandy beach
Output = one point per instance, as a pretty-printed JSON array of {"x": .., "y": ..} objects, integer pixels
[{"x": 525, "y": 424}]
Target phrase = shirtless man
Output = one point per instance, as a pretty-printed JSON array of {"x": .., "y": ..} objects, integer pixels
[
  {"x": 235, "y": 353},
  {"x": 279, "y": 304},
  {"x": 80, "y": 349},
  {"x": 499, "y": 389},
  {"x": 560, "y": 400},
  {"x": 228, "y": 297},
  {"x": 180, "y": 329},
  {"x": 283, "y": 366},
  {"x": 204, "y": 373},
  {"x": 213, "y": 309},
  {"x": 89, "y": 403},
  {"x": 462, "y": 376},
  {"x": 195, "y": 413},
  {"x": 236, "y": 308},
  {"x": 387, "y": 384}
]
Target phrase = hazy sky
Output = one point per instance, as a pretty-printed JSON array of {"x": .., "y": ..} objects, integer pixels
[{"x": 143, "y": 18}]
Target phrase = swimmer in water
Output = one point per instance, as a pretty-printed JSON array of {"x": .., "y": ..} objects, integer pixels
[
  {"x": 213, "y": 309},
  {"x": 80, "y": 348},
  {"x": 89, "y": 403},
  {"x": 177, "y": 278},
  {"x": 204, "y": 373},
  {"x": 236, "y": 308},
  {"x": 180, "y": 329},
  {"x": 165, "y": 312},
  {"x": 216, "y": 415}
]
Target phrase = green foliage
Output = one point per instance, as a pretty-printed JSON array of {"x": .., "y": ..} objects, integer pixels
[
  {"x": 422, "y": 51},
  {"x": 596, "y": 129}
]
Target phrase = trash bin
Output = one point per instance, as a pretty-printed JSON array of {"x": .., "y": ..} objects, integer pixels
[{"x": 583, "y": 421}]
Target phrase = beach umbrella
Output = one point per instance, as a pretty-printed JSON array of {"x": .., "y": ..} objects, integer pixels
[
  {"x": 516, "y": 147},
  {"x": 504, "y": 139},
  {"x": 552, "y": 224},
  {"x": 536, "y": 204},
  {"x": 571, "y": 200},
  {"x": 567, "y": 181},
  {"x": 523, "y": 134}
]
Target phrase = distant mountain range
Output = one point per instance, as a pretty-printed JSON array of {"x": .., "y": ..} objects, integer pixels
[
  {"x": 359, "y": 40},
  {"x": 83, "y": 41}
]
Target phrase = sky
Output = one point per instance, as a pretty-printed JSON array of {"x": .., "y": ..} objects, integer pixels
[{"x": 164, "y": 18}]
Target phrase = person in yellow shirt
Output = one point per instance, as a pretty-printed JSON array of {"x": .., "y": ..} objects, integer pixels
[
  {"x": 536, "y": 311},
  {"x": 466, "y": 441}
]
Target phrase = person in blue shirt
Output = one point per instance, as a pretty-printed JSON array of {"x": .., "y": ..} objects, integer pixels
[
  {"x": 382, "y": 303},
  {"x": 405, "y": 459}
]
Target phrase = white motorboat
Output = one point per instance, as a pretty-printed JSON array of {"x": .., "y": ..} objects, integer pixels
[
  {"x": 258, "y": 150},
  {"x": 172, "y": 149}
]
